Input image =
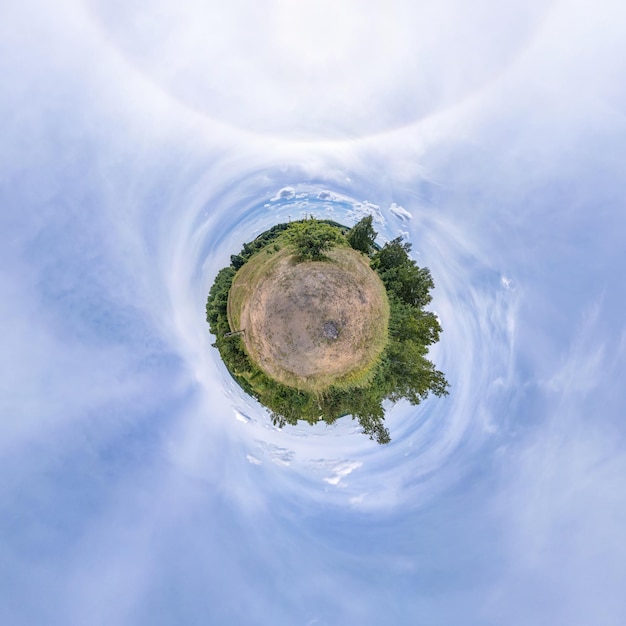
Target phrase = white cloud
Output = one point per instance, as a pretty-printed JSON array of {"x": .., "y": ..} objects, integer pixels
[
  {"x": 400, "y": 212},
  {"x": 286, "y": 193},
  {"x": 341, "y": 470},
  {"x": 141, "y": 145}
]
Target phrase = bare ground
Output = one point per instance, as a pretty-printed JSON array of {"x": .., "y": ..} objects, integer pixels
[{"x": 315, "y": 323}]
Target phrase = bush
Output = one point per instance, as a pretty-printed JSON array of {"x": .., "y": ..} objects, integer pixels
[{"x": 311, "y": 238}]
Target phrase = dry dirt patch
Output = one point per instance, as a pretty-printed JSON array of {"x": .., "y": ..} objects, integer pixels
[{"x": 314, "y": 323}]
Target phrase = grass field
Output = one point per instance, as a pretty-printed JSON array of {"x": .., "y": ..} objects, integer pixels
[{"x": 283, "y": 306}]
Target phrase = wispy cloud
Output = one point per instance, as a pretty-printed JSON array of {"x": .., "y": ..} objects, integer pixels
[{"x": 143, "y": 145}]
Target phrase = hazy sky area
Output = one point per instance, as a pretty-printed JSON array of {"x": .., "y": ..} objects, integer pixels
[{"x": 141, "y": 143}]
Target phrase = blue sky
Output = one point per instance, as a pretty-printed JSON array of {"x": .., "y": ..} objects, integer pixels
[{"x": 142, "y": 144}]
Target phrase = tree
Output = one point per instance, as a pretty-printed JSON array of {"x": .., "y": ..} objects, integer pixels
[
  {"x": 237, "y": 261},
  {"x": 401, "y": 275},
  {"x": 411, "y": 284},
  {"x": 408, "y": 323},
  {"x": 362, "y": 236},
  {"x": 393, "y": 254},
  {"x": 403, "y": 370},
  {"x": 218, "y": 297},
  {"x": 311, "y": 238}
]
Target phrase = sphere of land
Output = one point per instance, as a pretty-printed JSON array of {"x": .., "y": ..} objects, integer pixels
[{"x": 311, "y": 324}]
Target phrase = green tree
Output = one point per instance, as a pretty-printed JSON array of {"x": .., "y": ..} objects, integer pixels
[
  {"x": 311, "y": 238},
  {"x": 403, "y": 370},
  {"x": 393, "y": 254},
  {"x": 408, "y": 323},
  {"x": 411, "y": 284},
  {"x": 401, "y": 275},
  {"x": 362, "y": 236},
  {"x": 237, "y": 261},
  {"x": 218, "y": 297}
]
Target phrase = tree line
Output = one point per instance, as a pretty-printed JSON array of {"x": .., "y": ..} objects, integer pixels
[{"x": 402, "y": 370}]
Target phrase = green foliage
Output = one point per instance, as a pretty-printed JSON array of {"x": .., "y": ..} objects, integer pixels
[
  {"x": 237, "y": 261},
  {"x": 311, "y": 238},
  {"x": 410, "y": 323},
  {"x": 402, "y": 372},
  {"x": 218, "y": 300},
  {"x": 393, "y": 254},
  {"x": 401, "y": 275},
  {"x": 362, "y": 236},
  {"x": 254, "y": 246}
]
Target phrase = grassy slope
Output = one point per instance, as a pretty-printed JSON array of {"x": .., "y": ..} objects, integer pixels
[{"x": 258, "y": 266}]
